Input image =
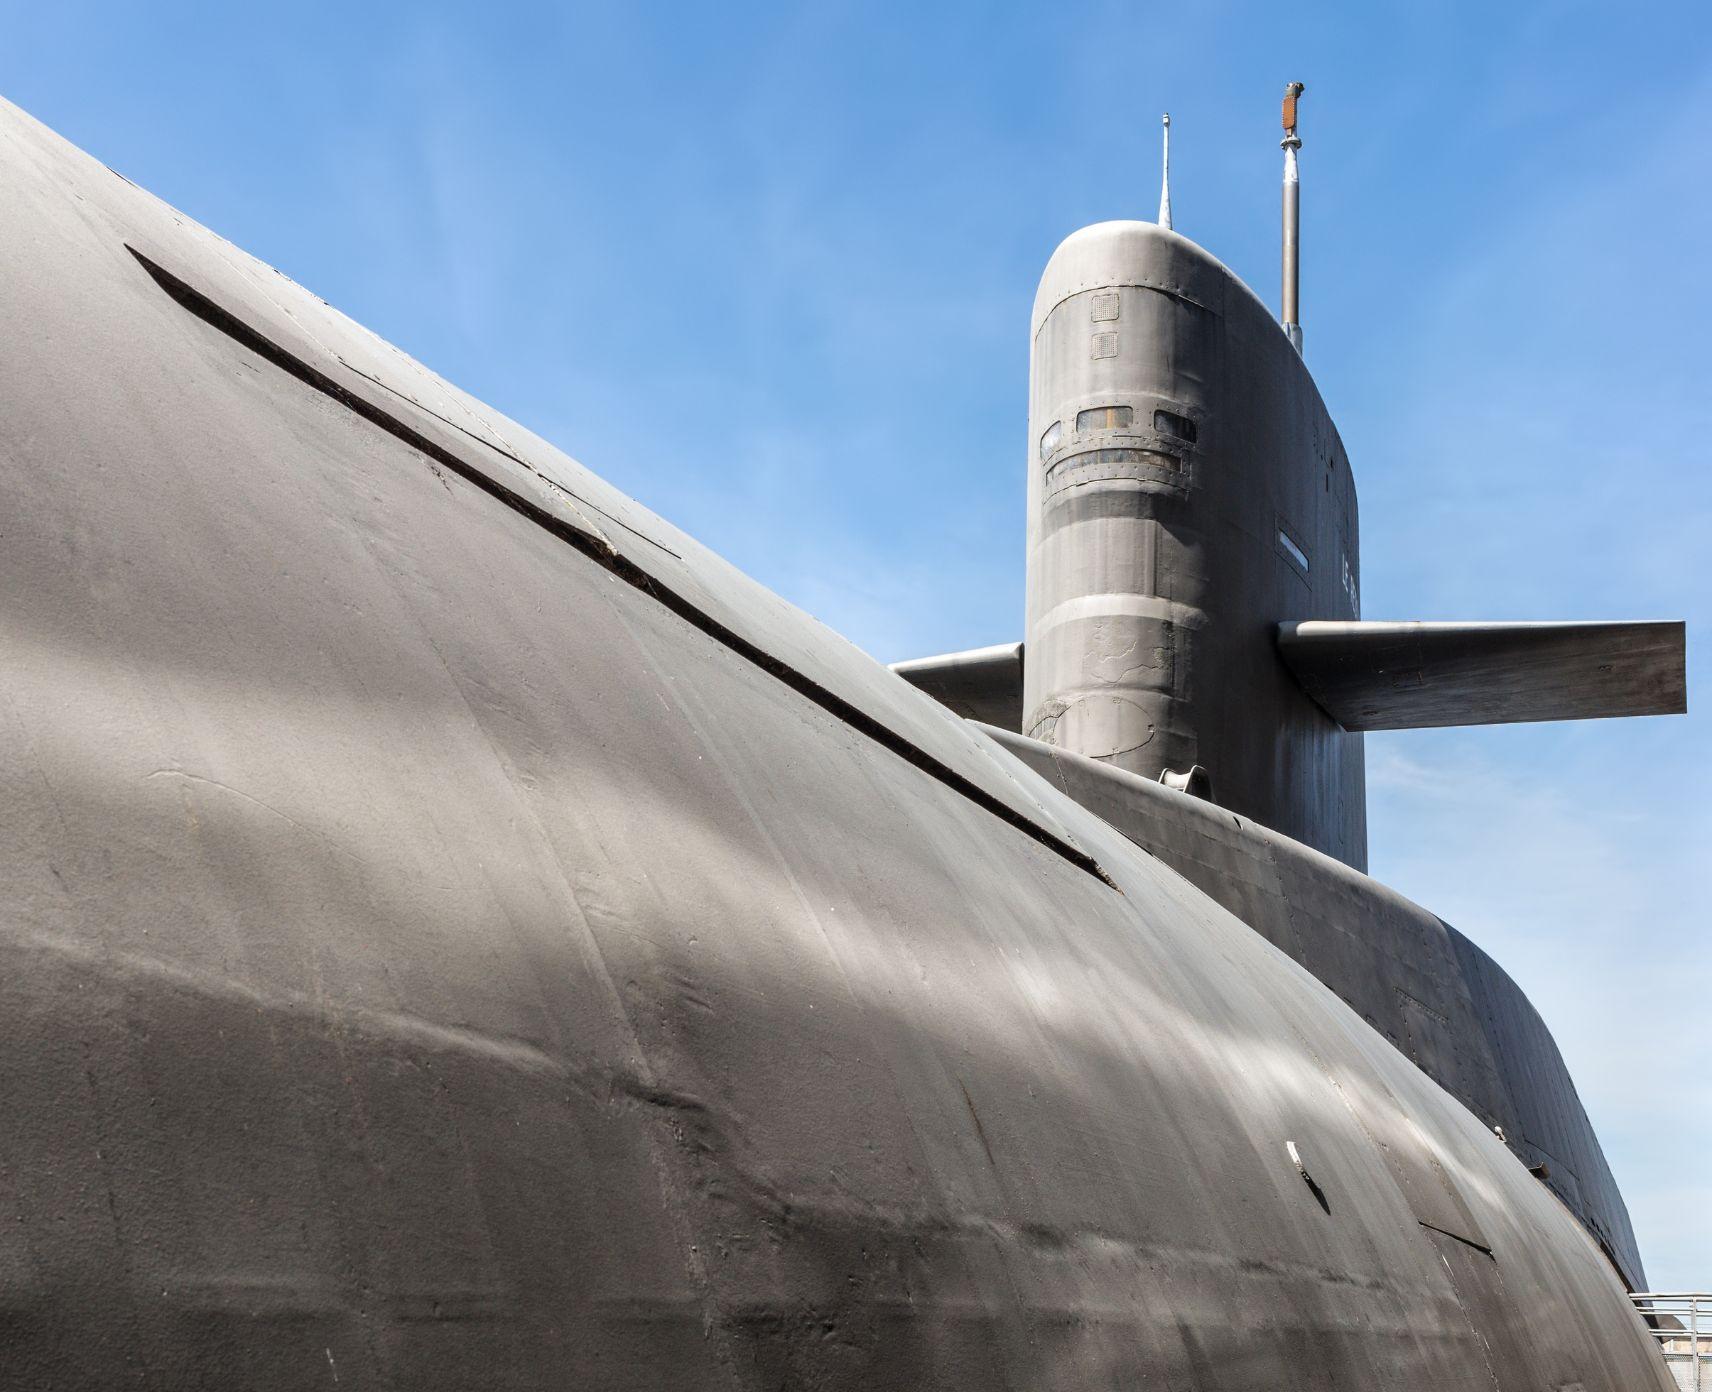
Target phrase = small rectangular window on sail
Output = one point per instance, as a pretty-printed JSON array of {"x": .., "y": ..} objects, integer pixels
[
  {"x": 1293, "y": 551},
  {"x": 1049, "y": 441},
  {"x": 1170, "y": 423},
  {"x": 1104, "y": 418}
]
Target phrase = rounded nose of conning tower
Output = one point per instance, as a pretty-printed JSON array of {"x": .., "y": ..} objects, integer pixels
[{"x": 1186, "y": 493}]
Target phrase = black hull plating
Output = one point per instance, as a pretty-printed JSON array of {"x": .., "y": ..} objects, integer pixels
[{"x": 431, "y": 958}]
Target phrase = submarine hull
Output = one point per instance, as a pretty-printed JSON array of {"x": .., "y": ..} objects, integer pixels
[{"x": 459, "y": 933}]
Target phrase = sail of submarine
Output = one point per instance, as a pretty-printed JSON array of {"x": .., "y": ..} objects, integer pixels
[{"x": 1194, "y": 566}]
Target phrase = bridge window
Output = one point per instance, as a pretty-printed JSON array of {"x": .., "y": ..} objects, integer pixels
[
  {"x": 1104, "y": 418},
  {"x": 1170, "y": 423},
  {"x": 1049, "y": 441}
]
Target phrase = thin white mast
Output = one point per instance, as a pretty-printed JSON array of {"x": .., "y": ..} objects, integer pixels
[
  {"x": 1292, "y": 315},
  {"x": 1165, "y": 182}
]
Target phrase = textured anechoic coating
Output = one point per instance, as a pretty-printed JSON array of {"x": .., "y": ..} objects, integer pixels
[
  {"x": 1165, "y": 544},
  {"x": 430, "y": 959},
  {"x": 1416, "y": 980}
]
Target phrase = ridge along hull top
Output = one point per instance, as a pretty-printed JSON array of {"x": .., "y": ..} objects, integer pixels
[
  {"x": 1187, "y": 492},
  {"x": 439, "y": 952}
]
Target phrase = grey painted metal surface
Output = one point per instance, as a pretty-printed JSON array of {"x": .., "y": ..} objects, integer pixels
[
  {"x": 983, "y": 684},
  {"x": 1187, "y": 492},
  {"x": 460, "y": 933},
  {"x": 1393, "y": 676},
  {"x": 1436, "y": 996}
]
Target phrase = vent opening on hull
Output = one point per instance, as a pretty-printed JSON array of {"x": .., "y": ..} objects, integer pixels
[{"x": 1287, "y": 544}]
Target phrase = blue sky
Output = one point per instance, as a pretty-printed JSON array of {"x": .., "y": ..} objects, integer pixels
[{"x": 769, "y": 269}]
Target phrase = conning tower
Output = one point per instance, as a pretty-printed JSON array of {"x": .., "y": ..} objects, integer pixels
[
  {"x": 1187, "y": 492},
  {"x": 1194, "y": 573}
]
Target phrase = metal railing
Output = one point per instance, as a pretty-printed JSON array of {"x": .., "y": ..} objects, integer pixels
[{"x": 1681, "y": 1321}]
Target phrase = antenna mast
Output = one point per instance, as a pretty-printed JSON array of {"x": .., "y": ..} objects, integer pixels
[
  {"x": 1292, "y": 219},
  {"x": 1165, "y": 182}
]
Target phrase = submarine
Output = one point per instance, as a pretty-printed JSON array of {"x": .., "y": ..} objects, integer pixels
[{"x": 460, "y": 932}]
